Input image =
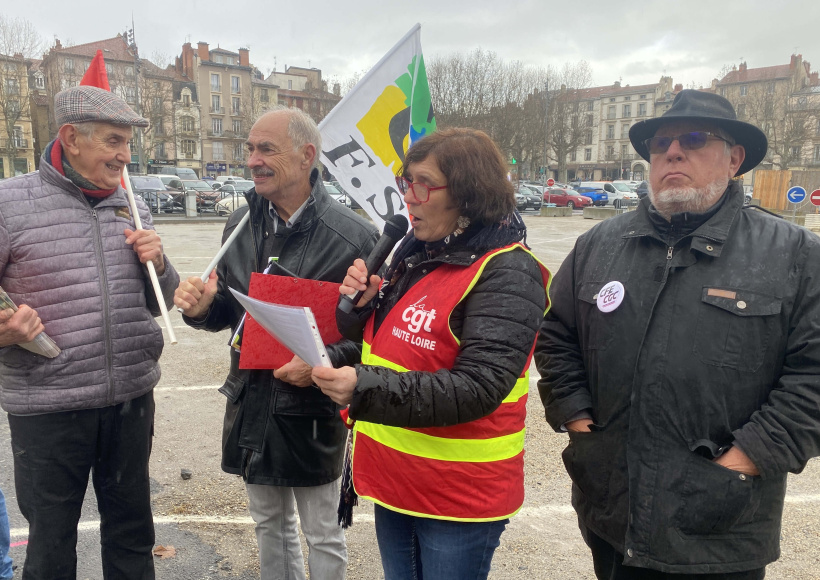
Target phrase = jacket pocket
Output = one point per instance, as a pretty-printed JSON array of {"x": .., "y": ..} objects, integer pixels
[
  {"x": 302, "y": 401},
  {"x": 589, "y": 461},
  {"x": 233, "y": 388},
  {"x": 597, "y": 331},
  {"x": 734, "y": 328},
  {"x": 714, "y": 498}
]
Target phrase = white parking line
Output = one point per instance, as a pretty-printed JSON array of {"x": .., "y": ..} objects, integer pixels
[{"x": 192, "y": 388}]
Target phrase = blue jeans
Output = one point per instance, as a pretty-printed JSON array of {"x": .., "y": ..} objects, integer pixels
[
  {"x": 414, "y": 548},
  {"x": 5, "y": 540}
]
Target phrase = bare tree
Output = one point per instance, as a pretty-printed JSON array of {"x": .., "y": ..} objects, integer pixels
[
  {"x": 567, "y": 127},
  {"x": 19, "y": 43}
]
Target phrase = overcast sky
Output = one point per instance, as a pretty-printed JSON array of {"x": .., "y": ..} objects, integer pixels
[{"x": 633, "y": 41}]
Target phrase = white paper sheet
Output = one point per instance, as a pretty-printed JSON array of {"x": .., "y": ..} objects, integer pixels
[{"x": 293, "y": 326}]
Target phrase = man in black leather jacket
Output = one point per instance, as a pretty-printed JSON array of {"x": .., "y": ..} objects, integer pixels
[
  {"x": 286, "y": 441},
  {"x": 682, "y": 354}
]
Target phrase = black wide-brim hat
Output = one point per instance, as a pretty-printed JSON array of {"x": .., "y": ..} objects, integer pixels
[{"x": 692, "y": 105}]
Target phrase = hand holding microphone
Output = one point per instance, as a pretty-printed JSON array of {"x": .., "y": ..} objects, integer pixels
[{"x": 360, "y": 276}]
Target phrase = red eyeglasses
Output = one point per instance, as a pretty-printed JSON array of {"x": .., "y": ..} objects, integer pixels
[{"x": 419, "y": 191}]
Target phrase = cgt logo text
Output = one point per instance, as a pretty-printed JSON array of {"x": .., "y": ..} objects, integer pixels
[{"x": 418, "y": 319}]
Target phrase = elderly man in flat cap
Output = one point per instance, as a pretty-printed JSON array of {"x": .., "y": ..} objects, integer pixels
[
  {"x": 682, "y": 355},
  {"x": 72, "y": 261}
]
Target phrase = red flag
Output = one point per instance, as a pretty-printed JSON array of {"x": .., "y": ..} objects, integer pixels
[{"x": 96, "y": 75}]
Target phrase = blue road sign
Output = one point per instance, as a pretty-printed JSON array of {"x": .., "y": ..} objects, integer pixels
[{"x": 796, "y": 194}]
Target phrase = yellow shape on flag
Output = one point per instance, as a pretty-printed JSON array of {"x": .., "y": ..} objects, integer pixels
[{"x": 375, "y": 126}]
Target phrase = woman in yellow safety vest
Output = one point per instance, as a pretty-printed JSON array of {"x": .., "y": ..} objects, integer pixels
[{"x": 438, "y": 404}]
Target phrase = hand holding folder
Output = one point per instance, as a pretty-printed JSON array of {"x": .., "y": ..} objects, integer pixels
[{"x": 260, "y": 350}]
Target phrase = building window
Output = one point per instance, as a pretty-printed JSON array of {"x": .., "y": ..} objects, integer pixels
[
  {"x": 188, "y": 147},
  {"x": 40, "y": 81},
  {"x": 129, "y": 71},
  {"x": 18, "y": 139},
  {"x": 587, "y": 154},
  {"x": 130, "y": 95},
  {"x": 627, "y": 98},
  {"x": 215, "y": 84},
  {"x": 234, "y": 105},
  {"x": 109, "y": 68},
  {"x": 290, "y": 84},
  {"x": 817, "y": 153},
  {"x": 743, "y": 90},
  {"x": 590, "y": 105},
  {"x": 238, "y": 152},
  {"x": 625, "y": 131},
  {"x": 218, "y": 58},
  {"x": 159, "y": 150},
  {"x": 588, "y": 138},
  {"x": 573, "y": 156},
  {"x": 610, "y": 113},
  {"x": 187, "y": 124},
  {"x": 643, "y": 96},
  {"x": 69, "y": 65},
  {"x": 216, "y": 104},
  {"x": 159, "y": 128},
  {"x": 624, "y": 151},
  {"x": 612, "y": 100},
  {"x": 589, "y": 121},
  {"x": 219, "y": 153},
  {"x": 741, "y": 110},
  {"x": 237, "y": 126},
  {"x": 794, "y": 152},
  {"x": 627, "y": 111},
  {"x": 12, "y": 87},
  {"x": 610, "y": 152},
  {"x": 817, "y": 130},
  {"x": 642, "y": 109},
  {"x": 610, "y": 131},
  {"x": 722, "y": 91},
  {"x": 157, "y": 104},
  {"x": 216, "y": 125},
  {"x": 235, "y": 85},
  {"x": 263, "y": 95},
  {"x": 229, "y": 60}
]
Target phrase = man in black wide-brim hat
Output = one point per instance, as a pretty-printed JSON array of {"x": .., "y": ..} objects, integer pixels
[{"x": 682, "y": 355}]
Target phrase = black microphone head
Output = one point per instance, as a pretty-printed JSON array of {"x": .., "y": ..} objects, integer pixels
[{"x": 396, "y": 227}]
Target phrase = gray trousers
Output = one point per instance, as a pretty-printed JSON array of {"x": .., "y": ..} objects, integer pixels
[{"x": 280, "y": 552}]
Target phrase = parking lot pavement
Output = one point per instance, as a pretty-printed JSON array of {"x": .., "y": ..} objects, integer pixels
[{"x": 206, "y": 519}]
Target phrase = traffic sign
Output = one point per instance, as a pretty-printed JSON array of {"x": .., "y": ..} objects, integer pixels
[
  {"x": 796, "y": 194},
  {"x": 815, "y": 197},
  {"x": 550, "y": 182}
]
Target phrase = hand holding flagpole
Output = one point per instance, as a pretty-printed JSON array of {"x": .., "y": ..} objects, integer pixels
[{"x": 152, "y": 271}]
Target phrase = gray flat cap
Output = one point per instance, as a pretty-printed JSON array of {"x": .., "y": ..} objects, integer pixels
[{"x": 85, "y": 104}]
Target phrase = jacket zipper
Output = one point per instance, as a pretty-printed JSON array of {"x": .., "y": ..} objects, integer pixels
[
  {"x": 669, "y": 254},
  {"x": 106, "y": 314}
]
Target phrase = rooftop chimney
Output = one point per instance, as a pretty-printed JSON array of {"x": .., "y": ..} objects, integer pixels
[
  {"x": 203, "y": 52},
  {"x": 244, "y": 57},
  {"x": 678, "y": 87},
  {"x": 742, "y": 67}
]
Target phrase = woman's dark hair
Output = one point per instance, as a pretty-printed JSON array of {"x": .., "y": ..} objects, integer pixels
[{"x": 475, "y": 170}]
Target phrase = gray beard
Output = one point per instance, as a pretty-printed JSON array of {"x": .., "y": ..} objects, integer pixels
[{"x": 687, "y": 199}]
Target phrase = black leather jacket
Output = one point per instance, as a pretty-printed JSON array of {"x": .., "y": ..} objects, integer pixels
[
  {"x": 275, "y": 433},
  {"x": 716, "y": 343}
]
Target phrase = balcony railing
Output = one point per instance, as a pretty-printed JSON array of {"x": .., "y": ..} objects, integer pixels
[
  {"x": 218, "y": 110},
  {"x": 18, "y": 143},
  {"x": 212, "y": 133}
]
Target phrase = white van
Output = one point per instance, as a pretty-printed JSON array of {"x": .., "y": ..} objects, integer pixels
[{"x": 618, "y": 193}]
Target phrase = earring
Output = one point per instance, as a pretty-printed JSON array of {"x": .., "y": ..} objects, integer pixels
[{"x": 463, "y": 222}]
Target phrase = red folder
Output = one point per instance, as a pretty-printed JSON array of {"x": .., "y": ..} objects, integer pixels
[{"x": 259, "y": 349}]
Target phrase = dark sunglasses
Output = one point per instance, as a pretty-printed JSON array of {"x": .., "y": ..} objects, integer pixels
[
  {"x": 688, "y": 141},
  {"x": 419, "y": 191}
]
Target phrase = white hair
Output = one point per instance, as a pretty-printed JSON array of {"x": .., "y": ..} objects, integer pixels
[{"x": 302, "y": 128}]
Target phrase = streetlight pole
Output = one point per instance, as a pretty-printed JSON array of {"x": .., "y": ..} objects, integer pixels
[{"x": 546, "y": 126}]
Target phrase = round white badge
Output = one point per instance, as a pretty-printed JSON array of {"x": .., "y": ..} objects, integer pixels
[{"x": 610, "y": 296}]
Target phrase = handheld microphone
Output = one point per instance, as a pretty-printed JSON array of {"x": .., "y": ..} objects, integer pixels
[{"x": 394, "y": 230}]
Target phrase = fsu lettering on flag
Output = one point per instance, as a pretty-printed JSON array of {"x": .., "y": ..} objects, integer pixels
[{"x": 365, "y": 136}]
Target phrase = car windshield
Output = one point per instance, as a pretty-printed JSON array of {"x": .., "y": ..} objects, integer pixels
[
  {"x": 573, "y": 192},
  {"x": 622, "y": 187},
  {"x": 332, "y": 190},
  {"x": 198, "y": 186},
  {"x": 147, "y": 182}
]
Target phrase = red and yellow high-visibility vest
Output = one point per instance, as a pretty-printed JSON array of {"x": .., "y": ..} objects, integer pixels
[{"x": 467, "y": 472}]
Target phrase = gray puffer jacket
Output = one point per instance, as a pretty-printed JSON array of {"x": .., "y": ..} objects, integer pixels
[{"x": 71, "y": 264}]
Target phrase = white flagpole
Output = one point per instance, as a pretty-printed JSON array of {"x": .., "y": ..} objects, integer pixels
[
  {"x": 152, "y": 271},
  {"x": 207, "y": 273}
]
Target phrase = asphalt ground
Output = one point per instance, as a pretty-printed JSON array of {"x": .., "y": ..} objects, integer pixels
[{"x": 206, "y": 520}]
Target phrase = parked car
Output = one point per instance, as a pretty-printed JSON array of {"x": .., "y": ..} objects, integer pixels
[
  {"x": 521, "y": 201},
  {"x": 206, "y": 197},
  {"x": 181, "y": 172},
  {"x": 533, "y": 198},
  {"x": 619, "y": 194},
  {"x": 240, "y": 185},
  {"x": 597, "y": 195},
  {"x": 567, "y": 198},
  {"x": 643, "y": 189},
  {"x": 153, "y": 191},
  {"x": 632, "y": 185},
  {"x": 337, "y": 194},
  {"x": 349, "y": 201},
  {"x": 229, "y": 202}
]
